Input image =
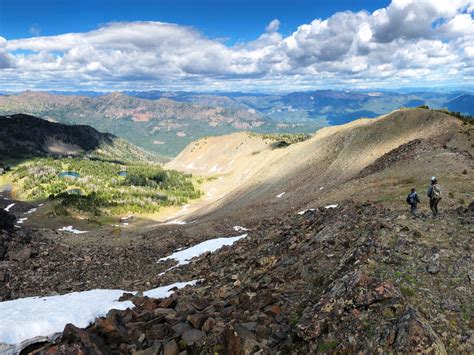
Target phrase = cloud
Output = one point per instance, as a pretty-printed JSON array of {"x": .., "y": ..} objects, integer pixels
[
  {"x": 273, "y": 26},
  {"x": 6, "y": 60},
  {"x": 409, "y": 42},
  {"x": 35, "y": 30}
]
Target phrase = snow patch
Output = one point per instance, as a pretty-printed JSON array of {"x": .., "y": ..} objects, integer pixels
[
  {"x": 21, "y": 220},
  {"x": 71, "y": 229},
  {"x": 216, "y": 169},
  {"x": 9, "y": 206},
  {"x": 26, "y": 318},
  {"x": 177, "y": 221},
  {"x": 331, "y": 206},
  {"x": 239, "y": 229},
  {"x": 184, "y": 256},
  {"x": 280, "y": 195},
  {"x": 304, "y": 211},
  {"x": 31, "y": 211}
]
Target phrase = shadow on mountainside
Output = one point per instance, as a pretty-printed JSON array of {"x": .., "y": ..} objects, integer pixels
[{"x": 25, "y": 136}]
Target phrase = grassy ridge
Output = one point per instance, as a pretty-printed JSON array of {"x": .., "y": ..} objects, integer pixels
[
  {"x": 288, "y": 138},
  {"x": 99, "y": 190}
]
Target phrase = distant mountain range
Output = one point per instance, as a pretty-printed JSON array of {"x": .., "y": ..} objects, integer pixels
[
  {"x": 165, "y": 122},
  {"x": 25, "y": 136},
  {"x": 463, "y": 103}
]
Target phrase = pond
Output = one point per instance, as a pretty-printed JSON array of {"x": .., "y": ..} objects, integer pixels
[
  {"x": 122, "y": 173},
  {"x": 70, "y": 174},
  {"x": 74, "y": 192}
]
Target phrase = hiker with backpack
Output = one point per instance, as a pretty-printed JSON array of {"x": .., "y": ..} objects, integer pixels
[
  {"x": 413, "y": 201},
  {"x": 434, "y": 193}
]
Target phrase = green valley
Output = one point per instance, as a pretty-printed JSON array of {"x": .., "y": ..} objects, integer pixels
[{"x": 99, "y": 188}]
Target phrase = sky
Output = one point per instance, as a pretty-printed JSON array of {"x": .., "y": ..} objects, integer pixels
[{"x": 230, "y": 45}]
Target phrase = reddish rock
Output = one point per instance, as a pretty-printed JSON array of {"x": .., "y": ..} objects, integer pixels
[
  {"x": 171, "y": 348},
  {"x": 208, "y": 324},
  {"x": 169, "y": 302},
  {"x": 197, "y": 320},
  {"x": 79, "y": 341}
]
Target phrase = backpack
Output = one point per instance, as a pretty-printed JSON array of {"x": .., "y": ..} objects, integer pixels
[
  {"x": 411, "y": 198},
  {"x": 436, "y": 193}
]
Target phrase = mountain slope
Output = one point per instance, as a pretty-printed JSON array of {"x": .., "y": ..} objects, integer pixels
[
  {"x": 164, "y": 125},
  {"x": 326, "y": 167},
  {"x": 463, "y": 104},
  {"x": 24, "y": 136},
  {"x": 331, "y": 260}
]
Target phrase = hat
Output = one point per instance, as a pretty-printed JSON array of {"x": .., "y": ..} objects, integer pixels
[{"x": 433, "y": 178}]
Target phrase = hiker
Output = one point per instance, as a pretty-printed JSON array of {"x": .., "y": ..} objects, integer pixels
[
  {"x": 434, "y": 193},
  {"x": 413, "y": 201}
]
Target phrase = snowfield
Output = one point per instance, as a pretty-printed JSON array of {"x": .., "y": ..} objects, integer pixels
[
  {"x": 31, "y": 317},
  {"x": 26, "y": 318},
  {"x": 184, "y": 256}
]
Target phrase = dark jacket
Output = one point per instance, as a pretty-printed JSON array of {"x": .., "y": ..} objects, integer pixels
[{"x": 412, "y": 198}]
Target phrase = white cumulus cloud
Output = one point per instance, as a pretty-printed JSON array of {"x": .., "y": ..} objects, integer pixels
[{"x": 409, "y": 41}]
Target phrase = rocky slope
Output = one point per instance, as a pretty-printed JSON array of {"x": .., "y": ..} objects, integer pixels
[
  {"x": 357, "y": 278},
  {"x": 24, "y": 136}
]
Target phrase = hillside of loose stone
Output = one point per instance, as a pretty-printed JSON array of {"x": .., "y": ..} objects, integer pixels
[{"x": 359, "y": 277}]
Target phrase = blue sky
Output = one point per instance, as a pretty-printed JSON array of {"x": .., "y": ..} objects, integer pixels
[
  {"x": 236, "y": 20},
  {"x": 211, "y": 45}
]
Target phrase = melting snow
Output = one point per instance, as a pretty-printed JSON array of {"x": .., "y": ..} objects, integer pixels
[
  {"x": 331, "y": 206},
  {"x": 176, "y": 221},
  {"x": 304, "y": 211},
  {"x": 280, "y": 195},
  {"x": 70, "y": 229},
  {"x": 184, "y": 256},
  {"x": 31, "y": 211},
  {"x": 9, "y": 206},
  {"x": 21, "y": 220},
  {"x": 216, "y": 169},
  {"x": 240, "y": 229},
  {"x": 26, "y": 318}
]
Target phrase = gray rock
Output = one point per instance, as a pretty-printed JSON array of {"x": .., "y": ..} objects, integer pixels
[
  {"x": 152, "y": 350},
  {"x": 192, "y": 336},
  {"x": 180, "y": 328},
  {"x": 22, "y": 255}
]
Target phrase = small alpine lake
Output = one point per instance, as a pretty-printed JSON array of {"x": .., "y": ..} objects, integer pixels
[{"x": 70, "y": 174}]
